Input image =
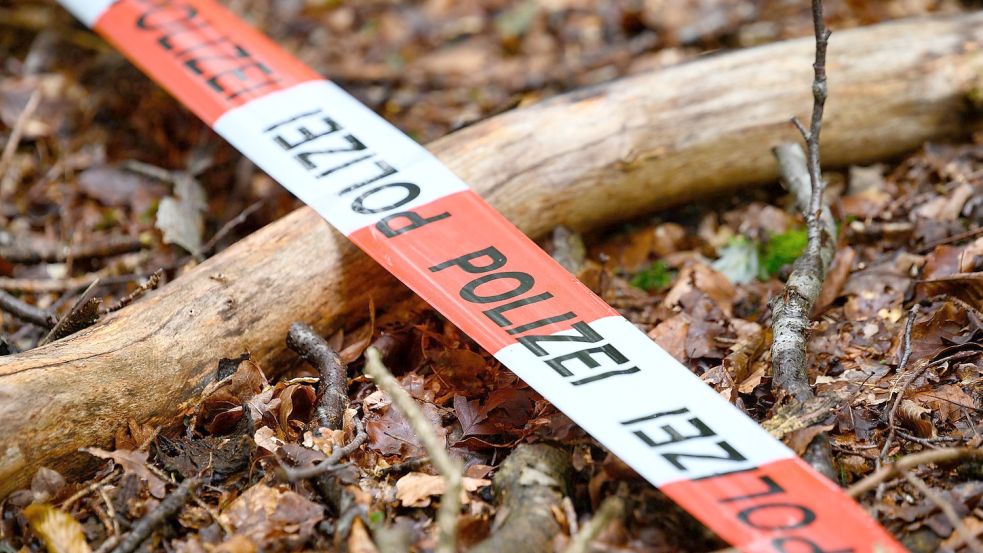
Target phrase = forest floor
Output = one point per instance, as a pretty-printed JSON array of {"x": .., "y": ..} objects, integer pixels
[{"x": 95, "y": 187}]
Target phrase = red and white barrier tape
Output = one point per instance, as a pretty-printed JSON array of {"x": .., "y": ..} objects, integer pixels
[{"x": 411, "y": 214}]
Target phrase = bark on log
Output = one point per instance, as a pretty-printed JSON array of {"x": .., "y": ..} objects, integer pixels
[{"x": 582, "y": 160}]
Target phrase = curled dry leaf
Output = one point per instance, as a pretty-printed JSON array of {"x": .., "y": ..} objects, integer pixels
[
  {"x": 263, "y": 514},
  {"x": 416, "y": 488},
  {"x": 133, "y": 462},
  {"x": 57, "y": 529},
  {"x": 701, "y": 277},
  {"x": 916, "y": 418}
]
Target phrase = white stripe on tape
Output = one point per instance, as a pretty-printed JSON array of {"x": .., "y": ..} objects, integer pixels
[
  {"x": 87, "y": 11},
  {"x": 327, "y": 148},
  {"x": 662, "y": 420}
]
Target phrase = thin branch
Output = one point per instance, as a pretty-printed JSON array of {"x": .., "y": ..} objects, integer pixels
[
  {"x": 905, "y": 381},
  {"x": 329, "y": 464},
  {"x": 25, "y": 311},
  {"x": 58, "y": 253},
  {"x": 229, "y": 227},
  {"x": 934, "y": 456},
  {"x": 790, "y": 312},
  {"x": 612, "y": 508},
  {"x": 151, "y": 284},
  {"x": 334, "y": 375},
  {"x": 6, "y": 183},
  {"x": 167, "y": 508},
  {"x": 450, "y": 469},
  {"x": 964, "y": 533}
]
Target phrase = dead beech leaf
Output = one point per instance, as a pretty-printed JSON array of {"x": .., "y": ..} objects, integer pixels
[
  {"x": 916, "y": 418},
  {"x": 59, "y": 531},
  {"x": 701, "y": 277},
  {"x": 967, "y": 287},
  {"x": 835, "y": 279},
  {"x": 416, "y": 488},
  {"x": 263, "y": 513},
  {"x": 133, "y": 462},
  {"x": 671, "y": 334},
  {"x": 947, "y": 401},
  {"x": 799, "y": 440},
  {"x": 180, "y": 217}
]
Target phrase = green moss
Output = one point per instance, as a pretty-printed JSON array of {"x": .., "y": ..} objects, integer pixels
[
  {"x": 656, "y": 277},
  {"x": 783, "y": 249}
]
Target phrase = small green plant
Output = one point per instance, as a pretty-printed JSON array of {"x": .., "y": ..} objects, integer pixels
[
  {"x": 781, "y": 250},
  {"x": 656, "y": 277}
]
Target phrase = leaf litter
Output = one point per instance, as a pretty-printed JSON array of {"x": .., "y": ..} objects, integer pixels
[{"x": 698, "y": 282}]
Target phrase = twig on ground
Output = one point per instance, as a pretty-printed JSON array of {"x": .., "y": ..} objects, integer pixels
[
  {"x": 449, "y": 468},
  {"x": 105, "y": 247},
  {"x": 7, "y": 184},
  {"x": 152, "y": 283},
  {"x": 964, "y": 533},
  {"x": 405, "y": 466},
  {"x": 334, "y": 375},
  {"x": 612, "y": 508},
  {"x": 904, "y": 381},
  {"x": 293, "y": 474},
  {"x": 890, "y": 470},
  {"x": 26, "y": 312},
  {"x": 167, "y": 508},
  {"x": 228, "y": 227},
  {"x": 83, "y": 314},
  {"x": 790, "y": 312}
]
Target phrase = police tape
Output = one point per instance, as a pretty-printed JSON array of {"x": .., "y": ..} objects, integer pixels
[{"x": 415, "y": 217}]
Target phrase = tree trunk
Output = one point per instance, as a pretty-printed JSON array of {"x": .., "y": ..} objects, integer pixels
[{"x": 583, "y": 160}]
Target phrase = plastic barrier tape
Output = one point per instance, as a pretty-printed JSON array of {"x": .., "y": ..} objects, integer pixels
[{"x": 411, "y": 214}]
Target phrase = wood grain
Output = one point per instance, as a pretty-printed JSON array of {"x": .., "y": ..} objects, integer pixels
[{"x": 584, "y": 159}]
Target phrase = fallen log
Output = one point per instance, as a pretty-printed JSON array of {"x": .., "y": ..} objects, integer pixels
[{"x": 584, "y": 160}]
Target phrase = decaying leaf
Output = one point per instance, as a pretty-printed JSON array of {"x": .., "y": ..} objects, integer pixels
[
  {"x": 967, "y": 287},
  {"x": 180, "y": 218},
  {"x": 59, "y": 531},
  {"x": 133, "y": 462},
  {"x": 263, "y": 514},
  {"x": 416, "y": 488}
]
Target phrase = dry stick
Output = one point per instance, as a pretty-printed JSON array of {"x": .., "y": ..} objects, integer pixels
[
  {"x": 106, "y": 247},
  {"x": 967, "y": 536},
  {"x": 315, "y": 350},
  {"x": 13, "y": 141},
  {"x": 167, "y": 508},
  {"x": 25, "y": 311},
  {"x": 228, "y": 227},
  {"x": 152, "y": 283},
  {"x": 790, "y": 313},
  {"x": 890, "y": 470},
  {"x": 904, "y": 379},
  {"x": 450, "y": 469},
  {"x": 611, "y": 509},
  {"x": 330, "y": 464}
]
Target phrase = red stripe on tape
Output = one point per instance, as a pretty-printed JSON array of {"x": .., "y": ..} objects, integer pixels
[
  {"x": 201, "y": 53},
  {"x": 460, "y": 243},
  {"x": 781, "y": 506}
]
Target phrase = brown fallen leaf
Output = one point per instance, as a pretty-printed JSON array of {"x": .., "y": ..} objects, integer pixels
[
  {"x": 916, "y": 418},
  {"x": 799, "y": 440},
  {"x": 59, "y": 531},
  {"x": 833, "y": 285},
  {"x": 263, "y": 514},
  {"x": 133, "y": 462},
  {"x": 967, "y": 287},
  {"x": 416, "y": 488},
  {"x": 670, "y": 334}
]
